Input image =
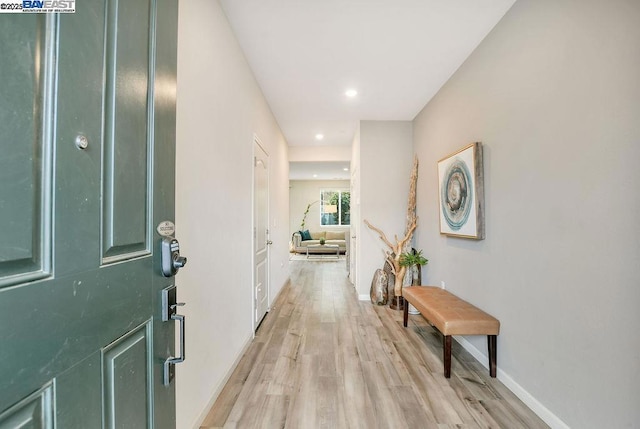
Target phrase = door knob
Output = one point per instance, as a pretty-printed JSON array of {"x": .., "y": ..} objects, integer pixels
[
  {"x": 269, "y": 242},
  {"x": 179, "y": 261}
]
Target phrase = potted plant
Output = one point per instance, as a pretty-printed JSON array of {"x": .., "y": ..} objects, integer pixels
[
  {"x": 322, "y": 241},
  {"x": 413, "y": 259}
]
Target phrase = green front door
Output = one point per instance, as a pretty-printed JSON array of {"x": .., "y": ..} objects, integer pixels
[{"x": 87, "y": 129}]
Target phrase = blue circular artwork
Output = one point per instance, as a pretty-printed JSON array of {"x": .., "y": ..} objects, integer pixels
[{"x": 456, "y": 194}]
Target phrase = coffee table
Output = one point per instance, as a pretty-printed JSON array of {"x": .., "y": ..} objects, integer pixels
[{"x": 323, "y": 250}]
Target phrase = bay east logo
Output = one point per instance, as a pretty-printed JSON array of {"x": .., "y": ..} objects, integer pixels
[{"x": 48, "y": 5}]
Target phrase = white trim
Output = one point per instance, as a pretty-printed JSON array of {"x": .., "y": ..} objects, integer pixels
[
  {"x": 530, "y": 401},
  {"x": 364, "y": 297}
]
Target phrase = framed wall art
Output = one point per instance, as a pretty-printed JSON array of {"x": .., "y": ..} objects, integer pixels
[{"x": 461, "y": 192}]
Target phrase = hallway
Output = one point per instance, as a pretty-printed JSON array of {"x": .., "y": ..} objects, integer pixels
[{"x": 323, "y": 359}]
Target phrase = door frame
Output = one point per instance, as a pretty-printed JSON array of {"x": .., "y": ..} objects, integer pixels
[
  {"x": 352, "y": 259},
  {"x": 254, "y": 322}
]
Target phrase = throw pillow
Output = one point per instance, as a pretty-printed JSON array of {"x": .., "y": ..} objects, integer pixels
[{"x": 306, "y": 235}]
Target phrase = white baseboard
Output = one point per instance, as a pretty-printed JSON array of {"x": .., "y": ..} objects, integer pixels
[
  {"x": 541, "y": 411},
  {"x": 223, "y": 382}
]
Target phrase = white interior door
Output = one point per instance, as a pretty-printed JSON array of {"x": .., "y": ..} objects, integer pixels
[{"x": 260, "y": 232}]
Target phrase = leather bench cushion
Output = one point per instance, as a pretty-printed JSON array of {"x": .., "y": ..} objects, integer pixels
[{"x": 450, "y": 314}]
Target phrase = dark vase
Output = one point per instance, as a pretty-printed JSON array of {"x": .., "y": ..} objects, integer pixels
[
  {"x": 397, "y": 303},
  {"x": 416, "y": 272}
]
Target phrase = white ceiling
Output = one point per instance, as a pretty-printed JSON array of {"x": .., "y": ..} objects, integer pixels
[
  {"x": 319, "y": 170},
  {"x": 396, "y": 53}
]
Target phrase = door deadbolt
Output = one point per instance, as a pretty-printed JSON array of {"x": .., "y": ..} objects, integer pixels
[{"x": 171, "y": 259}]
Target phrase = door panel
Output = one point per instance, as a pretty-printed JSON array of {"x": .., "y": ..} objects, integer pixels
[
  {"x": 24, "y": 254},
  {"x": 126, "y": 374},
  {"x": 126, "y": 165},
  {"x": 35, "y": 412},
  {"x": 261, "y": 229},
  {"x": 25, "y": 191},
  {"x": 78, "y": 330},
  {"x": 261, "y": 289}
]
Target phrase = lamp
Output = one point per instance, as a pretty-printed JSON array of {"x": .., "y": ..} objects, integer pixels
[{"x": 330, "y": 208}]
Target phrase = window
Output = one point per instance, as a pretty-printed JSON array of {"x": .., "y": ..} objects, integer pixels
[{"x": 335, "y": 207}]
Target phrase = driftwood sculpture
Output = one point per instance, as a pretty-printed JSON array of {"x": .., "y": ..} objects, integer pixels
[{"x": 401, "y": 245}]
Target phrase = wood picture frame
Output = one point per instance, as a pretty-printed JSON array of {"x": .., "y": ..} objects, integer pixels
[{"x": 461, "y": 193}]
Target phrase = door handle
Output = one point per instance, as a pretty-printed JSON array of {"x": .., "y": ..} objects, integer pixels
[
  {"x": 170, "y": 306},
  {"x": 269, "y": 242},
  {"x": 169, "y": 364}
]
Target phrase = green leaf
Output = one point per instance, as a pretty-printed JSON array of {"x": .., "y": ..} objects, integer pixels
[{"x": 408, "y": 259}]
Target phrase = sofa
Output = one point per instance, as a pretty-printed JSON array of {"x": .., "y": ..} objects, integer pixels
[{"x": 330, "y": 237}]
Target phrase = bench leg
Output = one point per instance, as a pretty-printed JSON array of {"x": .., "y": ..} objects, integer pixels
[
  {"x": 492, "y": 341},
  {"x": 406, "y": 314},
  {"x": 447, "y": 356}
]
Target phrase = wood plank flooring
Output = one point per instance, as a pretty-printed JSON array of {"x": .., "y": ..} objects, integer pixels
[{"x": 323, "y": 359}]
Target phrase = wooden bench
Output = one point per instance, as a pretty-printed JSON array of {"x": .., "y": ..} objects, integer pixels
[{"x": 452, "y": 316}]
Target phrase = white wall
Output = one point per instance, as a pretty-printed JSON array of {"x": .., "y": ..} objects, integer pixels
[
  {"x": 220, "y": 107},
  {"x": 553, "y": 92},
  {"x": 385, "y": 161},
  {"x": 303, "y": 192}
]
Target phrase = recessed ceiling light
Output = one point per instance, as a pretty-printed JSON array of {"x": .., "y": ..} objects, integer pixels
[
  {"x": 345, "y": 169},
  {"x": 315, "y": 175},
  {"x": 319, "y": 136},
  {"x": 351, "y": 93}
]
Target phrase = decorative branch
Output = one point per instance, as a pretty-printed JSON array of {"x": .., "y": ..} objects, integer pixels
[
  {"x": 380, "y": 234},
  {"x": 306, "y": 212},
  {"x": 393, "y": 255},
  {"x": 400, "y": 246},
  {"x": 411, "y": 203}
]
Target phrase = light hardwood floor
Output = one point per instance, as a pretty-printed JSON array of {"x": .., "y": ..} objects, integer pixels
[{"x": 323, "y": 359}]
